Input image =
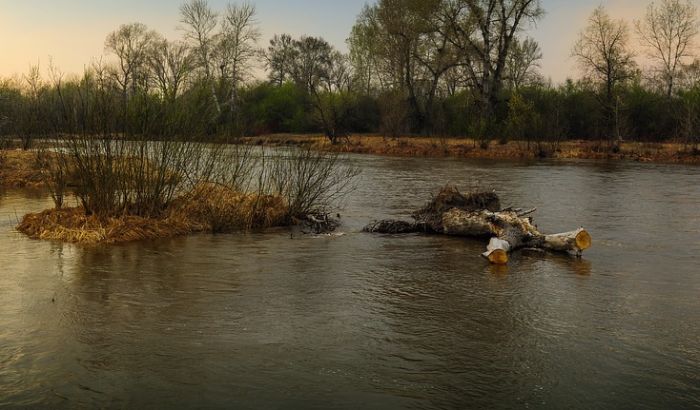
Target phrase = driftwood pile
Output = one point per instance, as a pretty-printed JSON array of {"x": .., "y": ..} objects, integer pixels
[{"x": 479, "y": 215}]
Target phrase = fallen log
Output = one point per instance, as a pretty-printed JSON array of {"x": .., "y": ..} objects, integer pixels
[
  {"x": 476, "y": 216},
  {"x": 392, "y": 227}
]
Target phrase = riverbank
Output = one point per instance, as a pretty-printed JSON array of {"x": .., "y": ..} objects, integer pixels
[
  {"x": 20, "y": 169},
  {"x": 467, "y": 148}
]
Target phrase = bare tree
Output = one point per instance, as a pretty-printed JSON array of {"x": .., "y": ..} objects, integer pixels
[
  {"x": 523, "y": 62},
  {"x": 364, "y": 52},
  {"x": 33, "y": 122},
  {"x": 237, "y": 46},
  {"x": 171, "y": 64},
  {"x": 130, "y": 44},
  {"x": 668, "y": 32},
  {"x": 200, "y": 24},
  {"x": 603, "y": 52}
]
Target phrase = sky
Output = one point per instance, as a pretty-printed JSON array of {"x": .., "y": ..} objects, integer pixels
[{"x": 71, "y": 33}]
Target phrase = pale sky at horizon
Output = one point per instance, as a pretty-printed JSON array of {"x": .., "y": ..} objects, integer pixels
[{"x": 72, "y": 32}]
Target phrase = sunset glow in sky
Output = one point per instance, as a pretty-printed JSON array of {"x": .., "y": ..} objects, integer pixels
[{"x": 72, "y": 32}]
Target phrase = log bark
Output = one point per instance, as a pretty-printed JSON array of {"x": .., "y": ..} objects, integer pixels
[
  {"x": 509, "y": 232},
  {"x": 578, "y": 240},
  {"x": 473, "y": 216}
]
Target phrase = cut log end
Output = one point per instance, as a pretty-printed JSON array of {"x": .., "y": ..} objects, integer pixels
[
  {"x": 584, "y": 240},
  {"x": 497, "y": 251},
  {"x": 497, "y": 257}
]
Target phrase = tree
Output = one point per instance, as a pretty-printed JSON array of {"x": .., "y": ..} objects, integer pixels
[
  {"x": 321, "y": 72},
  {"x": 31, "y": 120},
  {"x": 523, "y": 61},
  {"x": 411, "y": 50},
  {"x": 130, "y": 44},
  {"x": 312, "y": 62},
  {"x": 364, "y": 52},
  {"x": 200, "y": 23},
  {"x": 668, "y": 32},
  {"x": 237, "y": 47},
  {"x": 520, "y": 116},
  {"x": 689, "y": 76},
  {"x": 486, "y": 32},
  {"x": 171, "y": 65},
  {"x": 279, "y": 57},
  {"x": 603, "y": 52},
  {"x": 332, "y": 98}
]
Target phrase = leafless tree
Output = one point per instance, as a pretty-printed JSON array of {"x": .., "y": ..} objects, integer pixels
[
  {"x": 130, "y": 44},
  {"x": 171, "y": 64},
  {"x": 603, "y": 51},
  {"x": 200, "y": 24},
  {"x": 31, "y": 124},
  {"x": 523, "y": 61},
  {"x": 668, "y": 32},
  {"x": 237, "y": 46}
]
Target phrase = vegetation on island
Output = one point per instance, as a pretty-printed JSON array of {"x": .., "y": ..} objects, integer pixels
[{"x": 126, "y": 190}]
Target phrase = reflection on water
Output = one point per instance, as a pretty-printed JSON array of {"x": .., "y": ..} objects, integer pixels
[{"x": 379, "y": 322}]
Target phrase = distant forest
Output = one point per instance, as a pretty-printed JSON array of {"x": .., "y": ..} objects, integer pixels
[{"x": 415, "y": 67}]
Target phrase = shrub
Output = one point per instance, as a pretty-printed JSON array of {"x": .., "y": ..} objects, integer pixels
[{"x": 310, "y": 181}]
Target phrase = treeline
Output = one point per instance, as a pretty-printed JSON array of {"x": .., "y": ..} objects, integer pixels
[{"x": 429, "y": 67}]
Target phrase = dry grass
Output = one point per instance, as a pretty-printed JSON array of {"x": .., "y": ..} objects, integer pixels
[
  {"x": 73, "y": 225},
  {"x": 20, "y": 169},
  {"x": 220, "y": 210},
  {"x": 468, "y": 148}
]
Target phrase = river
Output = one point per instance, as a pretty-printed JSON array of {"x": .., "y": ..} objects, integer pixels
[{"x": 360, "y": 321}]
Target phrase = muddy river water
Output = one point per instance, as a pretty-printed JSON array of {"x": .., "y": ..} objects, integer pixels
[{"x": 360, "y": 321}]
